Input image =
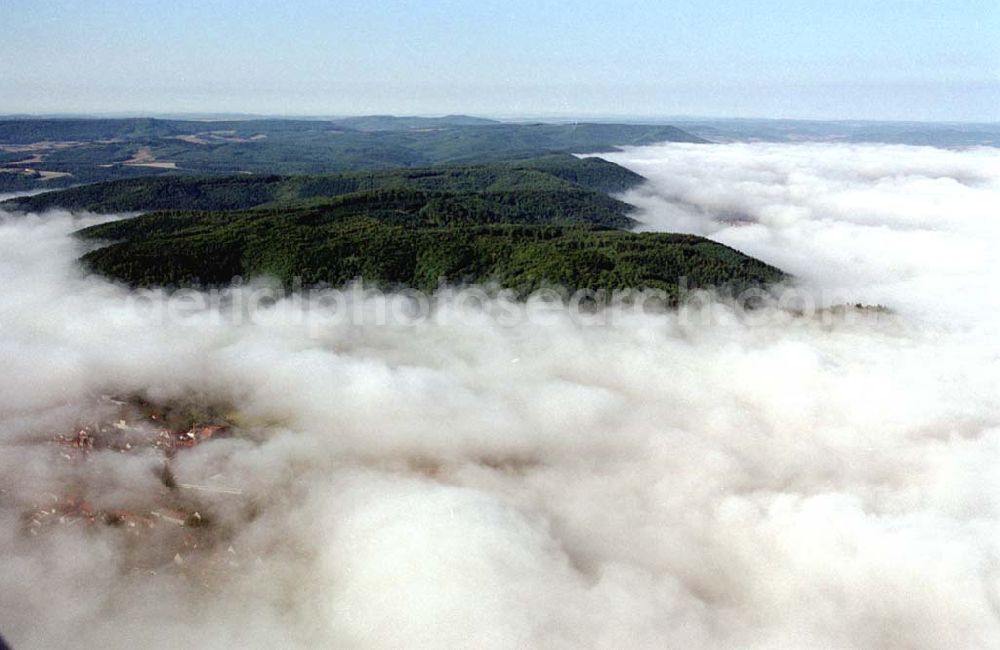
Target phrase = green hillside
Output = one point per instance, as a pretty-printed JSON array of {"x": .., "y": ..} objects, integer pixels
[
  {"x": 579, "y": 181},
  {"x": 93, "y": 150},
  {"x": 400, "y": 238},
  {"x": 396, "y": 202}
]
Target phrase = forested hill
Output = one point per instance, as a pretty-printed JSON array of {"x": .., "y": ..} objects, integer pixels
[
  {"x": 27, "y": 130},
  {"x": 520, "y": 224},
  {"x": 582, "y": 181},
  {"x": 396, "y": 202},
  {"x": 402, "y": 239},
  {"x": 40, "y": 153}
]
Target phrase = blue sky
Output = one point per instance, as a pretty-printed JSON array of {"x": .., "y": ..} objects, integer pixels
[{"x": 894, "y": 59}]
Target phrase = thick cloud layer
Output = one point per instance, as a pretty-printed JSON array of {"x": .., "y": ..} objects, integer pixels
[
  {"x": 914, "y": 227},
  {"x": 662, "y": 480}
]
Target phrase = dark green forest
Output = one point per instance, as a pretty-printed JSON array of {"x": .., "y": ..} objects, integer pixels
[
  {"x": 582, "y": 184},
  {"x": 93, "y": 150},
  {"x": 512, "y": 225},
  {"x": 394, "y": 202},
  {"x": 391, "y": 240}
]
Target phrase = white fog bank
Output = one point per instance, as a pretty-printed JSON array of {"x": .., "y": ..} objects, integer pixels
[
  {"x": 911, "y": 227},
  {"x": 658, "y": 481}
]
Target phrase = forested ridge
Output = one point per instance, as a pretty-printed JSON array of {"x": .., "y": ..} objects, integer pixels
[
  {"x": 553, "y": 173},
  {"x": 52, "y": 153},
  {"x": 423, "y": 216},
  {"x": 400, "y": 247}
]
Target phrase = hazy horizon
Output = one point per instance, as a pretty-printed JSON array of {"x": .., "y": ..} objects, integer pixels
[{"x": 510, "y": 118}]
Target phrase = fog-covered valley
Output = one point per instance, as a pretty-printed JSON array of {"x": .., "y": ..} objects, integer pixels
[{"x": 702, "y": 478}]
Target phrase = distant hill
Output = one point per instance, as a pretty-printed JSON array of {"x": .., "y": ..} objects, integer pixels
[
  {"x": 588, "y": 180},
  {"x": 144, "y": 128},
  {"x": 393, "y": 123},
  {"x": 49, "y": 153},
  {"x": 936, "y": 134}
]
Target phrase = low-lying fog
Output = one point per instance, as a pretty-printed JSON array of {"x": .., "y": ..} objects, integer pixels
[{"x": 662, "y": 480}]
